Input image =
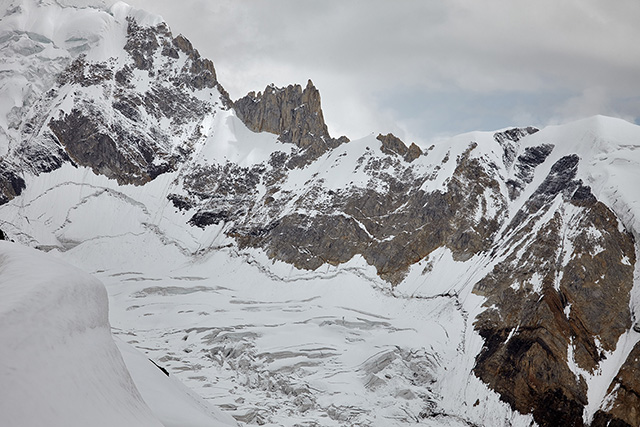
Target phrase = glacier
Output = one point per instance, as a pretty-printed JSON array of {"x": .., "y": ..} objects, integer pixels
[
  {"x": 263, "y": 282},
  {"x": 60, "y": 363}
]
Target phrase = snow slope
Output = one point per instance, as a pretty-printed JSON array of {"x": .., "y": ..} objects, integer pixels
[
  {"x": 263, "y": 340},
  {"x": 609, "y": 151},
  {"x": 288, "y": 347},
  {"x": 59, "y": 365},
  {"x": 170, "y": 401}
]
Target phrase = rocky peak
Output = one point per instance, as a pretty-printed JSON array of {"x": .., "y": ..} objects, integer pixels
[
  {"x": 130, "y": 117},
  {"x": 293, "y": 113},
  {"x": 525, "y": 167},
  {"x": 393, "y": 145},
  {"x": 200, "y": 72},
  {"x": 143, "y": 44}
]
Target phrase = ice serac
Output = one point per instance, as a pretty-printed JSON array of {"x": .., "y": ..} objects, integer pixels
[{"x": 293, "y": 113}]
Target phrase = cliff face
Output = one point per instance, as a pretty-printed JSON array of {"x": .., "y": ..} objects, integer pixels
[
  {"x": 623, "y": 400},
  {"x": 392, "y": 229},
  {"x": 558, "y": 298},
  {"x": 11, "y": 184},
  {"x": 527, "y": 219},
  {"x": 391, "y": 144},
  {"x": 130, "y": 117},
  {"x": 292, "y": 113},
  {"x": 158, "y": 86}
]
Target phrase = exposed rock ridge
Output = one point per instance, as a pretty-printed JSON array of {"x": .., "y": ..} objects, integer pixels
[
  {"x": 143, "y": 44},
  {"x": 292, "y": 113},
  {"x": 392, "y": 222},
  {"x": 525, "y": 168},
  {"x": 122, "y": 136},
  {"x": 509, "y": 141},
  {"x": 392, "y": 229},
  {"x": 552, "y": 304},
  {"x": 623, "y": 396},
  {"x": 11, "y": 184},
  {"x": 391, "y": 144}
]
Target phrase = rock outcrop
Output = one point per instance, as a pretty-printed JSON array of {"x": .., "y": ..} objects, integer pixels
[
  {"x": 292, "y": 113},
  {"x": 130, "y": 119},
  {"x": 525, "y": 167},
  {"x": 391, "y": 144},
  {"x": 509, "y": 140},
  {"x": 566, "y": 309},
  {"x": 623, "y": 396},
  {"x": 349, "y": 221},
  {"x": 11, "y": 184}
]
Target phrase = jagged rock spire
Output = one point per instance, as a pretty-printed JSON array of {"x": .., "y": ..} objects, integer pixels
[{"x": 292, "y": 113}]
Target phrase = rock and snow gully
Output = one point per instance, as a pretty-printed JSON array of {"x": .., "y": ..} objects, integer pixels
[{"x": 293, "y": 278}]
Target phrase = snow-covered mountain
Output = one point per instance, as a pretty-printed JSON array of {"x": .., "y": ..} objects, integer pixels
[{"x": 294, "y": 278}]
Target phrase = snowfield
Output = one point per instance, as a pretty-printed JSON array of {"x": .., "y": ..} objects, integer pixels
[
  {"x": 59, "y": 365},
  {"x": 262, "y": 340}
]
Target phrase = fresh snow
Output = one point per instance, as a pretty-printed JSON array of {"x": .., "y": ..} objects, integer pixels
[
  {"x": 245, "y": 332},
  {"x": 229, "y": 140},
  {"x": 609, "y": 151},
  {"x": 60, "y": 365},
  {"x": 170, "y": 401},
  {"x": 598, "y": 382}
]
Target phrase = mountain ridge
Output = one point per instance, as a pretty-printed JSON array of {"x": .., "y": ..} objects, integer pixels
[{"x": 543, "y": 223}]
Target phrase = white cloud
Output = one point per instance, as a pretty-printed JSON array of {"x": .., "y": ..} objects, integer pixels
[
  {"x": 358, "y": 52},
  {"x": 593, "y": 100}
]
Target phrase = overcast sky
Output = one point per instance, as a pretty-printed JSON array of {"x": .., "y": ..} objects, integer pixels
[{"x": 425, "y": 68}]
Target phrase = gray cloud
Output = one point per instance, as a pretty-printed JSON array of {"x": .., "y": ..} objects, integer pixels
[{"x": 396, "y": 66}]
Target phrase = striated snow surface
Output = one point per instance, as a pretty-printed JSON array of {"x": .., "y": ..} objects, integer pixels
[
  {"x": 59, "y": 365},
  {"x": 170, "y": 401},
  {"x": 272, "y": 344}
]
